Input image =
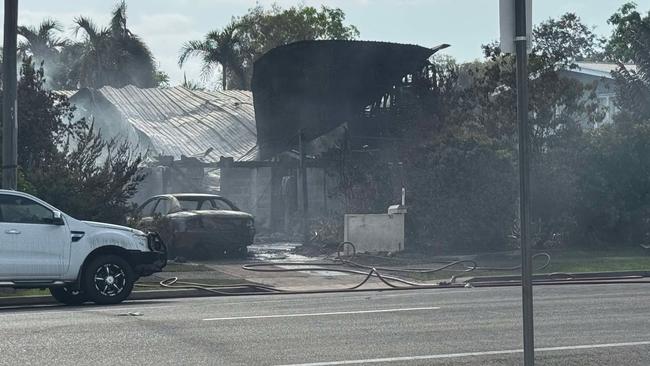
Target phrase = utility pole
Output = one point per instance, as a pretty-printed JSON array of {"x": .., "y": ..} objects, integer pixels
[
  {"x": 9, "y": 104},
  {"x": 521, "y": 50},
  {"x": 303, "y": 185},
  {"x": 516, "y": 17}
]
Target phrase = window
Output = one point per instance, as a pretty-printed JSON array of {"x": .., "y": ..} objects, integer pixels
[
  {"x": 147, "y": 208},
  {"x": 195, "y": 203},
  {"x": 189, "y": 204},
  {"x": 17, "y": 209},
  {"x": 218, "y": 204},
  {"x": 162, "y": 208}
]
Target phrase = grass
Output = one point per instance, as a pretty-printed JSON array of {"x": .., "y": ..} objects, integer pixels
[
  {"x": 567, "y": 261},
  {"x": 599, "y": 261},
  {"x": 25, "y": 292}
]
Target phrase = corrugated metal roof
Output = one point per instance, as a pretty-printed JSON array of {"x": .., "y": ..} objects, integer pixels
[
  {"x": 65, "y": 93},
  {"x": 177, "y": 121}
]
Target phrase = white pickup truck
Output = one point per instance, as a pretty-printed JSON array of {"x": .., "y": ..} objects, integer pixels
[{"x": 79, "y": 261}]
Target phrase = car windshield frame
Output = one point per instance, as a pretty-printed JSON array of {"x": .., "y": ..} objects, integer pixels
[{"x": 213, "y": 203}]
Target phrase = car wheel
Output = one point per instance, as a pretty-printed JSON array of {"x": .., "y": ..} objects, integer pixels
[
  {"x": 68, "y": 295},
  {"x": 108, "y": 280}
]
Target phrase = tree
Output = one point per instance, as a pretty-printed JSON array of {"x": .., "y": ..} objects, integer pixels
[
  {"x": 613, "y": 184},
  {"x": 91, "y": 179},
  {"x": 43, "y": 45},
  {"x": 238, "y": 45},
  {"x": 480, "y": 108},
  {"x": 161, "y": 78},
  {"x": 462, "y": 194},
  {"x": 113, "y": 55},
  {"x": 629, "y": 26},
  {"x": 561, "y": 42},
  {"x": 45, "y": 119},
  {"x": 219, "y": 48},
  {"x": 614, "y": 205},
  {"x": 631, "y": 43},
  {"x": 64, "y": 161}
]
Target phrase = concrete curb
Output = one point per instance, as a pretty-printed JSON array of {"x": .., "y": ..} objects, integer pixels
[{"x": 546, "y": 276}]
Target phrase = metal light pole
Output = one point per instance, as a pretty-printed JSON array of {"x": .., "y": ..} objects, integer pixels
[
  {"x": 521, "y": 50},
  {"x": 9, "y": 105}
]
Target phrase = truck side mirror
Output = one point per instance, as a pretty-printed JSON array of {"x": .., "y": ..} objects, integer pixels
[{"x": 57, "y": 218}]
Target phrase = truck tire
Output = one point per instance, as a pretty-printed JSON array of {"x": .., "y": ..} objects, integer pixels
[
  {"x": 68, "y": 296},
  {"x": 108, "y": 279}
]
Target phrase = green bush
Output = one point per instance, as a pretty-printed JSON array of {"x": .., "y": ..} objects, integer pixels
[
  {"x": 461, "y": 196},
  {"x": 613, "y": 205}
]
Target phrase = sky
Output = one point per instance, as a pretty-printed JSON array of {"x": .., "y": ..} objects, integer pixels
[{"x": 465, "y": 24}]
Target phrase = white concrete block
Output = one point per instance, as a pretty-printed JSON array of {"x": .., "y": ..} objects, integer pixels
[{"x": 372, "y": 233}]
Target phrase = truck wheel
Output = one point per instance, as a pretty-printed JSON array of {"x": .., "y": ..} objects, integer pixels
[
  {"x": 108, "y": 279},
  {"x": 68, "y": 296}
]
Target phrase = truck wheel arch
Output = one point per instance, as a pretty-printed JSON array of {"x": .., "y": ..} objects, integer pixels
[{"x": 104, "y": 250}]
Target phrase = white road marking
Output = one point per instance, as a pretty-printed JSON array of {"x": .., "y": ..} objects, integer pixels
[
  {"x": 470, "y": 354},
  {"x": 324, "y": 314}
]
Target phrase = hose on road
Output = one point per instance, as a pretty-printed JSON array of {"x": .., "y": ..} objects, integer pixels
[
  {"x": 389, "y": 276},
  {"x": 345, "y": 264},
  {"x": 341, "y": 264}
]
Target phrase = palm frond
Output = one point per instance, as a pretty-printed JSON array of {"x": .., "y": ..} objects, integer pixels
[
  {"x": 47, "y": 26},
  {"x": 118, "y": 20},
  {"x": 193, "y": 49},
  {"x": 93, "y": 32},
  {"x": 29, "y": 33}
]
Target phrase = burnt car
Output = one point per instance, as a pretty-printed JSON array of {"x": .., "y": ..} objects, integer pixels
[{"x": 196, "y": 225}]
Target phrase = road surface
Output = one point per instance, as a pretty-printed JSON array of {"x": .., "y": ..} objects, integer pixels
[{"x": 575, "y": 325}]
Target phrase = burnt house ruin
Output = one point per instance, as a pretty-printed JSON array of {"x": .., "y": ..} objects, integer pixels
[
  {"x": 309, "y": 99},
  {"x": 313, "y": 97}
]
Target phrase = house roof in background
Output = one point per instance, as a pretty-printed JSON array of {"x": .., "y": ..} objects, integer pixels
[
  {"x": 599, "y": 69},
  {"x": 177, "y": 121}
]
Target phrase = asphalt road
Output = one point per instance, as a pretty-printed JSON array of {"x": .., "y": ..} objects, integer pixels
[{"x": 575, "y": 325}]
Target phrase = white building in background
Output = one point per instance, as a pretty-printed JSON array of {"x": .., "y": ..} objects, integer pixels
[{"x": 600, "y": 73}]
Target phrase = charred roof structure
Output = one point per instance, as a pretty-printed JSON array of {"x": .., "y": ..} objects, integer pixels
[
  {"x": 313, "y": 87},
  {"x": 174, "y": 121}
]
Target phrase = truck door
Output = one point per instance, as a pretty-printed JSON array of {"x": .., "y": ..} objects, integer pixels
[{"x": 32, "y": 244}]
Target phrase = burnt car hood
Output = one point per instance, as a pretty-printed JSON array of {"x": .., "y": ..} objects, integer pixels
[{"x": 212, "y": 213}]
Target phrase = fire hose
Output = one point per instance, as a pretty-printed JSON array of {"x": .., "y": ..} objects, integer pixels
[{"x": 345, "y": 264}]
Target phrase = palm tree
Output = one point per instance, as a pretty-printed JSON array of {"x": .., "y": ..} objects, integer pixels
[
  {"x": 189, "y": 84},
  {"x": 41, "y": 43},
  {"x": 95, "y": 55},
  {"x": 113, "y": 55},
  {"x": 219, "y": 48},
  {"x": 43, "y": 47}
]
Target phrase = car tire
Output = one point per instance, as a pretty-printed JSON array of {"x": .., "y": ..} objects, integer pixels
[
  {"x": 68, "y": 295},
  {"x": 108, "y": 279}
]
